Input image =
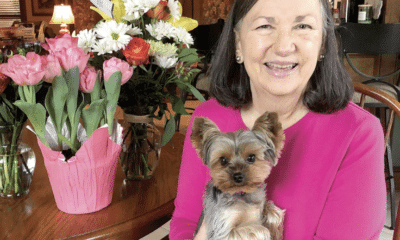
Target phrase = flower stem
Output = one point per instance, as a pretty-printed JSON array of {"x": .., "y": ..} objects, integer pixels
[
  {"x": 16, "y": 175},
  {"x": 10, "y": 177}
]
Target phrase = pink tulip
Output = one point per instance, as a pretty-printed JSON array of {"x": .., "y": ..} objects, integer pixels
[
  {"x": 71, "y": 57},
  {"x": 66, "y": 49},
  {"x": 60, "y": 42},
  {"x": 22, "y": 70},
  {"x": 52, "y": 67},
  {"x": 115, "y": 64},
  {"x": 4, "y": 81},
  {"x": 87, "y": 79}
]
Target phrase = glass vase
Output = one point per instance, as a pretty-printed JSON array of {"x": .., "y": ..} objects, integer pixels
[
  {"x": 141, "y": 148},
  {"x": 17, "y": 163}
]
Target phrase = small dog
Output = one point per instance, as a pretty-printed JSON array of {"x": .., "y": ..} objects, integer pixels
[{"x": 235, "y": 205}]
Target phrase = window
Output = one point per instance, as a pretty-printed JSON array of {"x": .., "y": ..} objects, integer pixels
[{"x": 10, "y": 11}]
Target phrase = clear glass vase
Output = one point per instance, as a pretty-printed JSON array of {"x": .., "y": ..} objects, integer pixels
[
  {"x": 17, "y": 163},
  {"x": 141, "y": 148}
]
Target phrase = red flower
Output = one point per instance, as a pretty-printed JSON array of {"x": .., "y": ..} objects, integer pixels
[
  {"x": 4, "y": 81},
  {"x": 137, "y": 52},
  {"x": 160, "y": 11}
]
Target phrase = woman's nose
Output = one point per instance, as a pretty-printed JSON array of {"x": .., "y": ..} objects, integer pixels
[{"x": 284, "y": 44}]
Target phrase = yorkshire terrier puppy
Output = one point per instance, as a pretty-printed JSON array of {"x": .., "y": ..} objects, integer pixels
[{"x": 235, "y": 205}]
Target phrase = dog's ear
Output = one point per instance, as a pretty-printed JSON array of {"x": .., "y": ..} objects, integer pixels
[
  {"x": 203, "y": 131},
  {"x": 269, "y": 127}
]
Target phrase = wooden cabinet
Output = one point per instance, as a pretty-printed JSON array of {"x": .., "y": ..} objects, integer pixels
[{"x": 378, "y": 65}]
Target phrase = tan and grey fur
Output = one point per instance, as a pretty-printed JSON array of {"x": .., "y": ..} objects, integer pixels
[{"x": 235, "y": 205}]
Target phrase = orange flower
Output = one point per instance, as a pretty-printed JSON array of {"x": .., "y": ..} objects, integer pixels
[
  {"x": 160, "y": 11},
  {"x": 137, "y": 52}
]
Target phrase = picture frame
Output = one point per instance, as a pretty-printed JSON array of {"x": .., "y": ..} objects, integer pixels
[{"x": 45, "y": 7}]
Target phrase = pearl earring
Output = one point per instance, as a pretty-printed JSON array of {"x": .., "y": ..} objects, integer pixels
[
  {"x": 322, "y": 56},
  {"x": 238, "y": 59}
]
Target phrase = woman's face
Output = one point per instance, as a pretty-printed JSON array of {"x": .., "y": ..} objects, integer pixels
[{"x": 280, "y": 42}]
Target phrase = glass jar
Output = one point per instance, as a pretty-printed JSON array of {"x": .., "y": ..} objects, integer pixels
[
  {"x": 141, "y": 147},
  {"x": 365, "y": 13},
  {"x": 17, "y": 164}
]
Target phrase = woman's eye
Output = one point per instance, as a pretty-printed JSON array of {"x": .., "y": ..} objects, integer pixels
[
  {"x": 304, "y": 26},
  {"x": 265, "y": 26}
]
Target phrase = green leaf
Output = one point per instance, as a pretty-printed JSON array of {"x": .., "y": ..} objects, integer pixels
[
  {"x": 188, "y": 55},
  {"x": 55, "y": 101},
  {"x": 37, "y": 115},
  {"x": 5, "y": 115},
  {"x": 95, "y": 94},
  {"x": 72, "y": 81},
  {"x": 193, "y": 90},
  {"x": 112, "y": 87},
  {"x": 169, "y": 131},
  {"x": 91, "y": 116},
  {"x": 6, "y": 111},
  {"x": 178, "y": 106},
  {"x": 22, "y": 93}
]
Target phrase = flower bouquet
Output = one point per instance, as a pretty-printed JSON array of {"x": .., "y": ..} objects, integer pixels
[
  {"x": 153, "y": 37},
  {"x": 80, "y": 159},
  {"x": 17, "y": 160}
]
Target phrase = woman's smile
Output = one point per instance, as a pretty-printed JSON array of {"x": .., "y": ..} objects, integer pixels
[{"x": 281, "y": 69}]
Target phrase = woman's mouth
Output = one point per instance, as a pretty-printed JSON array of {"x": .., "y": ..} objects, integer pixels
[{"x": 281, "y": 70}]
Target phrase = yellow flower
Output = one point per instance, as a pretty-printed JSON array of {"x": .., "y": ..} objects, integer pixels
[
  {"x": 187, "y": 23},
  {"x": 118, "y": 11}
]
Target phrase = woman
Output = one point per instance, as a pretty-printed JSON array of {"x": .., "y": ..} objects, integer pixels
[{"x": 281, "y": 56}]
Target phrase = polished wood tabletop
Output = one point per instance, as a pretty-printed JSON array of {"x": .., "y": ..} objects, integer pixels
[{"x": 137, "y": 207}]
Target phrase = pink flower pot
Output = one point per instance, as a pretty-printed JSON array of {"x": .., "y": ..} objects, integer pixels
[{"x": 85, "y": 183}]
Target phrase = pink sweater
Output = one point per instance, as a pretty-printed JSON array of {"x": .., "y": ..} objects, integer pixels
[{"x": 330, "y": 177}]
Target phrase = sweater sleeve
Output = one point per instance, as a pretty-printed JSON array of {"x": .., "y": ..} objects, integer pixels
[
  {"x": 356, "y": 204},
  {"x": 193, "y": 177}
]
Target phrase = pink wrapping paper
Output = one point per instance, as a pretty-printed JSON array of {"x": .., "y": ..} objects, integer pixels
[{"x": 85, "y": 183}]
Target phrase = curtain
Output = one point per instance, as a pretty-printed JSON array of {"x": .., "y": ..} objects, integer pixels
[{"x": 9, "y": 12}]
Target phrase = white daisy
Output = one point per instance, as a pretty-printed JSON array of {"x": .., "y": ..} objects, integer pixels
[
  {"x": 87, "y": 38},
  {"x": 114, "y": 33},
  {"x": 174, "y": 10},
  {"x": 150, "y": 3},
  {"x": 135, "y": 31},
  {"x": 134, "y": 9},
  {"x": 159, "y": 49},
  {"x": 166, "y": 62},
  {"x": 102, "y": 47},
  {"x": 161, "y": 29},
  {"x": 182, "y": 36}
]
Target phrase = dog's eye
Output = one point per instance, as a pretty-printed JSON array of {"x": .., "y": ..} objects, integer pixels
[
  {"x": 251, "y": 158},
  {"x": 224, "y": 161}
]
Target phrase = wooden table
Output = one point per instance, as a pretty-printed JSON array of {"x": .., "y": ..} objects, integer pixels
[{"x": 137, "y": 207}]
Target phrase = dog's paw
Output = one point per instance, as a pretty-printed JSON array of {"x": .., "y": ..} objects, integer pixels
[
  {"x": 273, "y": 220},
  {"x": 250, "y": 232}
]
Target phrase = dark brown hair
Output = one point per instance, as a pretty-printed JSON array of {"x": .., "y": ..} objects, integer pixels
[{"x": 329, "y": 89}]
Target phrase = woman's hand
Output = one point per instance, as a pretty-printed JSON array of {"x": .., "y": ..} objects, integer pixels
[{"x": 202, "y": 233}]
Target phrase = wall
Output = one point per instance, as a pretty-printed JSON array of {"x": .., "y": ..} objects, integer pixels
[
  {"x": 84, "y": 17},
  {"x": 31, "y": 18},
  {"x": 206, "y": 11}
]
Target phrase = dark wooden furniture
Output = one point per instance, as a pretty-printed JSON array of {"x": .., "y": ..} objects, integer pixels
[
  {"x": 375, "y": 39},
  {"x": 393, "y": 105},
  {"x": 137, "y": 208}
]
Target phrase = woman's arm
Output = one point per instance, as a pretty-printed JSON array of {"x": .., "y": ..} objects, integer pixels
[
  {"x": 202, "y": 233},
  {"x": 193, "y": 177},
  {"x": 356, "y": 204}
]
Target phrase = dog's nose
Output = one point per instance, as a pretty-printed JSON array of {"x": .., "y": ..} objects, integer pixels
[{"x": 238, "y": 177}]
